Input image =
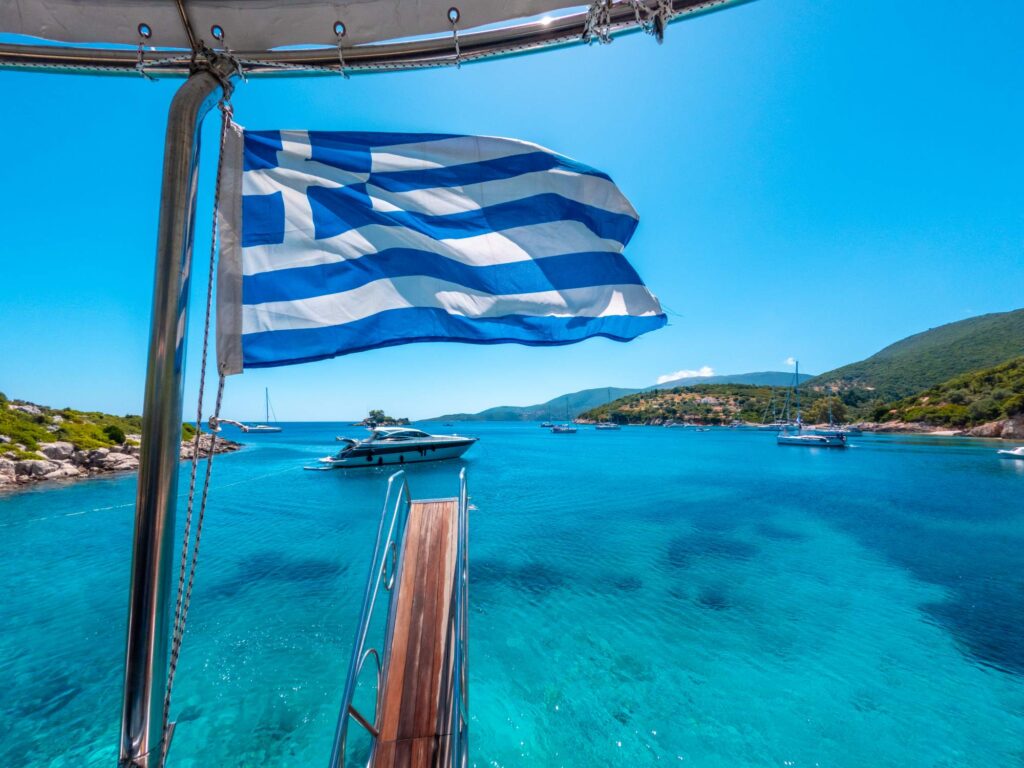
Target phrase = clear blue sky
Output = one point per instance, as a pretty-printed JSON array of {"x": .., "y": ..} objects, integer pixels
[{"x": 815, "y": 178}]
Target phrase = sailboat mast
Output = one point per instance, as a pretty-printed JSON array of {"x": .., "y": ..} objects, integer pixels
[
  {"x": 796, "y": 389},
  {"x": 266, "y": 403}
]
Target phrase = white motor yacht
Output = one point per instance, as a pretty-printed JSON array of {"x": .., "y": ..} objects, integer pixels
[
  {"x": 563, "y": 429},
  {"x": 607, "y": 425},
  {"x": 1014, "y": 453},
  {"x": 396, "y": 445}
]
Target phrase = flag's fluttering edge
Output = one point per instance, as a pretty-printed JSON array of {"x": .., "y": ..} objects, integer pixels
[{"x": 333, "y": 243}]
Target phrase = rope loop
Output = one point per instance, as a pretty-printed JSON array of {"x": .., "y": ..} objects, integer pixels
[
  {"x": 453, "y": 18},
  {"x": 140, "y": 64},
  {"x": 598, "y": 23},
  {"x": 654, "y": 20},
  {"x": 339, "y": 32}
]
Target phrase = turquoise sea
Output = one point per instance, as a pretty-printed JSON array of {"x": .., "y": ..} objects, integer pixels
[{"x": 642, "y": 597}]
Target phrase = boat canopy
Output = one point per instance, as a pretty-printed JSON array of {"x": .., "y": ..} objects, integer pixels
[{"x": 143, "y": 36}]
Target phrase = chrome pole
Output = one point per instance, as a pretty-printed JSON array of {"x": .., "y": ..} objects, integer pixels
[{"x": 145, "y": 666}]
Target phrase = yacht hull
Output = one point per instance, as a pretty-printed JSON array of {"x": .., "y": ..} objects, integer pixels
[
  {"x": 389, "y": 455},
  {"x": 812, "y": 441}
]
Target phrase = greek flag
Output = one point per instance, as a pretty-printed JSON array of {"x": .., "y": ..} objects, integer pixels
[{"x": 333, "y": 243}]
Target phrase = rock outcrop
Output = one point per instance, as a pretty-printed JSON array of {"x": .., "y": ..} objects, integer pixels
[
  {"x": 1007, "y": 429},
  {"x": 60, "y": 460}
]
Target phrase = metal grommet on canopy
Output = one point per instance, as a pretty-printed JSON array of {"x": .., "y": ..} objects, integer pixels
[
  {"x": 218, "y": 32},
  {"x": 453, "y": 18},
  {"x": 339, "y": 33},
  {"x": 145, "y": 32}
]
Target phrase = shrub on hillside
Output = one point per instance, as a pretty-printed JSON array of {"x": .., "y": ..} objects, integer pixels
[{"x": 114, "y": 433}]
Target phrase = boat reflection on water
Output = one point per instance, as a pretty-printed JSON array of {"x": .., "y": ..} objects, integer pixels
[{"x": 396, "y": 445}]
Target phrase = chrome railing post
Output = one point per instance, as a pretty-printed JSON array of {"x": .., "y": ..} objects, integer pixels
[
  {"x": 386, "y": 540},
  {"x": 145, "y": 668}
]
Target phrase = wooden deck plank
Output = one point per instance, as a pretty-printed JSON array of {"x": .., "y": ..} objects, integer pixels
[{"x": 413, "y": 722}]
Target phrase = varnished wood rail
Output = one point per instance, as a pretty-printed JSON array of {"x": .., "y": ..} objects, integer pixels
[{"x": 415, "y": 718}]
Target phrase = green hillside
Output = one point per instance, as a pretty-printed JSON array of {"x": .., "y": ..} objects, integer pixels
[
  {"x": 577, "y": 402},
  {"x": 585, "y": 399},
  {"x": 929, "y": 358},
  {"x": 711, "y": 404},
  {"x": 964, "y": 401},
  {"x": 27, "y": 424}
]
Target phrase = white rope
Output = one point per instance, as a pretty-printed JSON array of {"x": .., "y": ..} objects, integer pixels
[{"x": 188, "y": 565}]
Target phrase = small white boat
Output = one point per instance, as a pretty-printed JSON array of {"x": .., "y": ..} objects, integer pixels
[
  {"x": 819, "y": 439},
  {"x": 607, "y": 425},
  {"x": 812, "y": 441},
  {"x": 1014, "y": 453},
  {"x": 567, "y": 428},
  {"x": 265, "y": 428},
  {"x": 396, "y": 445},
  {"x": 547, "y": 425}
]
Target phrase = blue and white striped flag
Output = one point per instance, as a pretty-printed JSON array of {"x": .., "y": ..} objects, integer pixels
[{"x": 333, "y": 243}]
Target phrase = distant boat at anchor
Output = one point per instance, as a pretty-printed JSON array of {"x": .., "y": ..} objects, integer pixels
[
  {"x": 807, "y": 440},
  {"x": 268, "y": 409},
  {"x": 567, "y": 428}
]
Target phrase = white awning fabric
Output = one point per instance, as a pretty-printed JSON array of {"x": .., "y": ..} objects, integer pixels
[{"x": 253, "y": 25}]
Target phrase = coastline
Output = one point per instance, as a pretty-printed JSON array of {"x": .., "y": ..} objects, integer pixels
[
  {"x": 62, "y": 461},
  {"x": 1003, "y": 429}
]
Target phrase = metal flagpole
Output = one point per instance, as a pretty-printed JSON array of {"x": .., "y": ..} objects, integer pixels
[{"x": 145, "y": 667}]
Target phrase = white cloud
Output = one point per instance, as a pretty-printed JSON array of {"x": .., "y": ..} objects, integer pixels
[
  {"x": 790, "y": 361},
  {"x": 707, "y": 370}
]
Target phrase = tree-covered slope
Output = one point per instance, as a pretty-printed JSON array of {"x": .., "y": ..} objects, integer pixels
[
  {"x": 964, "y": 401},
  {"x": 585, "y": 399},
  {"x": 712, "y": 404},
  {"x": 929, "y": 358}
]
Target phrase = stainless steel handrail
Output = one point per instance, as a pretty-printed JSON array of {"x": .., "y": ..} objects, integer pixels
[
  {"x": 393, "y": 516},
  {"x": 460, "y": 631}
]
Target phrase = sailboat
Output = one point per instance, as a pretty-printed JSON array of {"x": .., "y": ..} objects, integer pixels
[
  {"x": 776, "y": 424},
  {"x": 267, "y": 411},
  {"x": 567, "y": 428},
  {"x": 608, "y": 425},
  {"x": 807, "y": 440}
]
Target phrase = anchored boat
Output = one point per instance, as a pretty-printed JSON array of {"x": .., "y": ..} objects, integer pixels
[
  {"x": 799, "y": 438},
  {"x": 265, "y": 428},
  {"x": 1014, "y": 453},
  {"x": 396, "y": 445}
]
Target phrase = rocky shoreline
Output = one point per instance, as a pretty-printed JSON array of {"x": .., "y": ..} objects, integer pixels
[
  {"x": 1005, "y": 429},
  {"x": 61, "y": 460}
]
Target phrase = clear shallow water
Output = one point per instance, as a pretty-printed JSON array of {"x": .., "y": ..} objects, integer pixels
[{"x": 638, "y": 597}]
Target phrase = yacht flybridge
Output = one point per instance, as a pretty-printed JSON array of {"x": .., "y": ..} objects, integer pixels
[{"x": 396, "y": 445}]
